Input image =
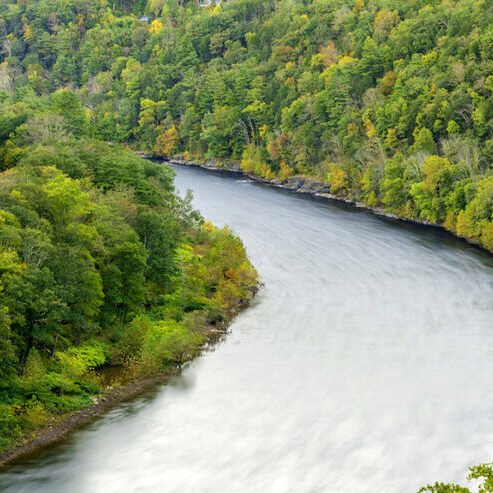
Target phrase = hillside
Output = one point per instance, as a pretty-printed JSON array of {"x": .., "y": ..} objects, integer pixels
[
  {"x": 387, "y": 102},
  {"x": 101, "y": 262}
]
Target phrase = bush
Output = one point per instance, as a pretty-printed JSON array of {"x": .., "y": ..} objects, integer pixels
[{"x": 77, "y": 361}]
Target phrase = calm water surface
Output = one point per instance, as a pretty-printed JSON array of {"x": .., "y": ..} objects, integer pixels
[{"x": 364, "y": 365}]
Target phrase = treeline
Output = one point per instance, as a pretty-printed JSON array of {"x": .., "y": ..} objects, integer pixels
[
  {"x": 388, "y": 102},
  {"x": 100, "y": 263},
  {"x": 481, "y": 476}
]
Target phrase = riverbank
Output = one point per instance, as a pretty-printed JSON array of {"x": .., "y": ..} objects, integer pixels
[
  {"x": 66, "y": 424},
  {"x": 364, "y": 325},
  {"x": 312, "y": 187},
  {"x": 112, "y": 397}
]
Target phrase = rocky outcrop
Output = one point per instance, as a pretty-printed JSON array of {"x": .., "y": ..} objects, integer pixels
[{"x": 216, "y": 164}]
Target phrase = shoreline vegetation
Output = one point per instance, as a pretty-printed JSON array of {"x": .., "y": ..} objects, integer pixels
[
  {"x": 389, "y": 105},
  {"x": 309, "y": 186},
  {"x": 101, "y": 264},
  {"x": 120, "y": 389},
  {"x": 386, "y": 105}
]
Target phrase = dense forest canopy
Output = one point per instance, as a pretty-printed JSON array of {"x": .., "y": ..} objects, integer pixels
[
  {"x": 101, "y": 262},
  {"x": 387, "y": 101}
]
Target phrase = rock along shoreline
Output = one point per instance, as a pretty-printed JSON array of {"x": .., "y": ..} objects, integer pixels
[{"x": 308, "y": 186}]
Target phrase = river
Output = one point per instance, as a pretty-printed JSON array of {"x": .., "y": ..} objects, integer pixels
[{"x": 363, "y": 365}]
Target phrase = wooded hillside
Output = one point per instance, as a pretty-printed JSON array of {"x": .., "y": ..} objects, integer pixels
[{"x": 387, "y": 101}]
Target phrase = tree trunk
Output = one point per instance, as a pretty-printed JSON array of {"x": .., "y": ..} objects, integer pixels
[
  {"x": 25, "y": 354},
  {"x": 54, "y": 346}
]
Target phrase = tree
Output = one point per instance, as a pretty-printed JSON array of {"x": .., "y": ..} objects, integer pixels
[
  {"x": 173, "y": 341},
  {"x": 482, "y": 473},
  {"x": 68, "y": 105},
  {"x": 160, "y": 234},
  {"x": 34, "y": 308},
  {"x": 130, "y": 258},
  {"x": 43, "y": 128},
  {"x": 7, "y": 351},
  {"x": 166, "y": 142},
  {"x": 423, "y": 141}
]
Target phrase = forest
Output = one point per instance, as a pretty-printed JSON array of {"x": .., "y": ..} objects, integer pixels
[
  {"x": 101, "y": 264},
  {"x": 387, "y": 102}
]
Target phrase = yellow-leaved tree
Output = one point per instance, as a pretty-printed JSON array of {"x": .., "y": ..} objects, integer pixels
[
  {"x": 156, "y": 26},
  {"x": 166, "y": 142}
]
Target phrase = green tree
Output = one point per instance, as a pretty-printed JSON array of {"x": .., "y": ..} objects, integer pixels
[{"x": 67, "y": 104}]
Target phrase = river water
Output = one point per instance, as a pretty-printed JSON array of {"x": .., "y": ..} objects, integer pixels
[{"x": 364, "y": 365}]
